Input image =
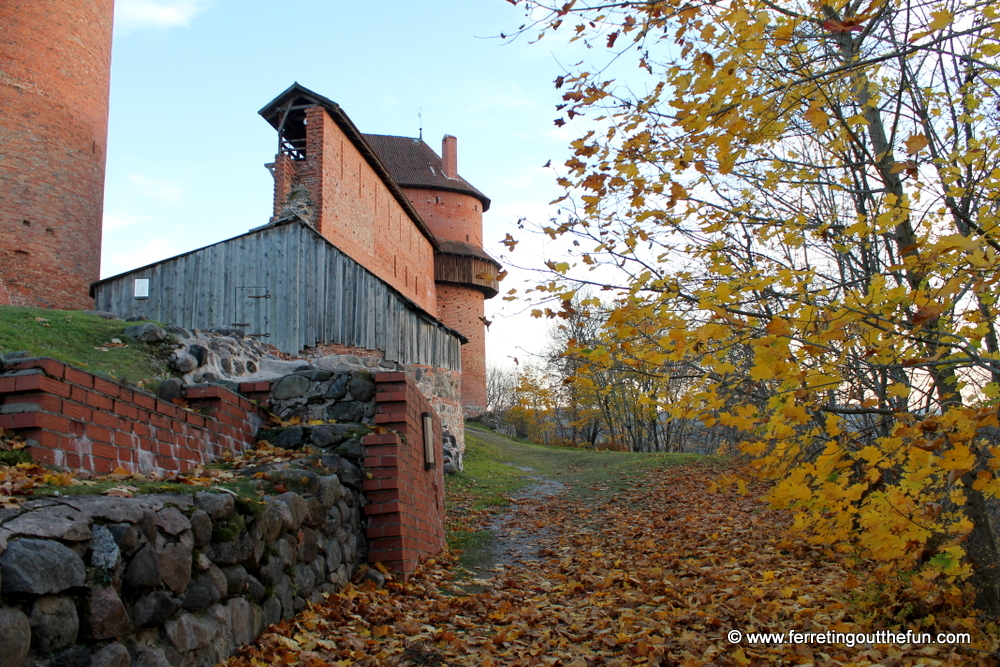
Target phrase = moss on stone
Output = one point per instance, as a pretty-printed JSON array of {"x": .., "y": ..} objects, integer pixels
[
  {"x": 228, "y": 531},
  {"x": 254, "y": 508}
]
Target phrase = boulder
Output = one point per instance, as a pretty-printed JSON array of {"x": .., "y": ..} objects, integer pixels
[
  {"x": 242, "y": 620},
  {"x": 338, "y": 388},
  {"x": 236, "y": 580},
  {"x": 171, "y": 521},
  {"x": 104, "y": 552},
  {"x": 308, "y": 544},
  {"x": 201, "y": 593},
  {"x": 54, "y": 623},
  {"x": 451, "y": 459},
  {"x": 175, "y": 567},
  {"x": 146, "y": 333},
  {"x": 255, "y": 589},
  {"x": 351, "y": 449},
  {"x": 328, "y": 490},
  {"x": 149, "y": 657},
  {"x": 15, "y": 637},
  {"x": 362, "y": 386},
  {"x": 186, "y": 633},
  {"x": 112, "y": 655},
  {"x": 346, "y": 411},
  {"x": 233, "y": 551},
  {"x": 201, "y": 527},
  {"x": 58, "y": 521},
  {"x": 289, "y": 387},
  {"x": 39, "y": 567},
  {"x": 329, "y": 435},
  {"x": 106, "y": 616},
  {"x": 126, "y": 537},
  {"x": 173, "y": 388},
  {"x": 290, "y": 438},
  {"x": 219, "y": 506},
  {"x": 297, "y": 506},
  {"x": 143, "y": 571},
  {"x": 76, "y": 656},
  {"x": 154, "y": 609}
]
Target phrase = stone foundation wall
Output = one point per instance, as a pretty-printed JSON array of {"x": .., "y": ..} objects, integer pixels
[
  {"x": 443, "y": 390},
  {"x": 223, "y": 354},
  {"x": 170, "y": 579}
]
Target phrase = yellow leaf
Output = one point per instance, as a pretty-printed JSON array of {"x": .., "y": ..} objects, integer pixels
[
  {"x": 899, "y": 389},
  {"x": 941, "y": 19},
  {"x": 916, "y": 143}
]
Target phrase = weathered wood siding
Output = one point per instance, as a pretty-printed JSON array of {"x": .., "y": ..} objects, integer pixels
[
  {"x": 470, "y": 271},
  {"x": 317, "y": 295}
]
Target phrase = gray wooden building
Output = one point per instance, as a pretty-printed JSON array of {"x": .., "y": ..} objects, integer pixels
[{"x": 287, "y": 285}]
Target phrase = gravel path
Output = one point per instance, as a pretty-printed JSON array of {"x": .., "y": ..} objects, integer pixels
[{"x": 516, "y": 539}]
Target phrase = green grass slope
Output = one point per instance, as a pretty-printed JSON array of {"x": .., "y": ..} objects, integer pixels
[{"x": 82, "y": 340}]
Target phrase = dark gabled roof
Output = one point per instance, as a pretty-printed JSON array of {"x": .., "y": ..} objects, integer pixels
[
  {"x": 414, "y": 164},
  {"x": 291, "y": 105}
]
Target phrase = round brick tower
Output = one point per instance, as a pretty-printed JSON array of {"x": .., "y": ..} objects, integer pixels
[
  {"x": 55, "y": 72},
  {"x": 464, "y": 273}
]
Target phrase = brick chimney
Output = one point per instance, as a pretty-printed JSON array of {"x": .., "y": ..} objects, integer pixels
[{"x": 449, "y": 156}]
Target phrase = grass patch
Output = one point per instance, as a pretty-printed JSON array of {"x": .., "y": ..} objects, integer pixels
[
  {"x": 73, "y": 337},
  {"x": 488, "y": 476}
]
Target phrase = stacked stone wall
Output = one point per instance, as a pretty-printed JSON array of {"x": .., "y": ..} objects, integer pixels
[{"x": 180, "y": 580}]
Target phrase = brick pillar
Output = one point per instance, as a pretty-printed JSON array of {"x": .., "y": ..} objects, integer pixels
[{"x": 405, "y": 495}]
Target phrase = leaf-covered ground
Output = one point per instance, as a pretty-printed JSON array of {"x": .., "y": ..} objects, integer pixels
[{"x": 657, "y": 574}]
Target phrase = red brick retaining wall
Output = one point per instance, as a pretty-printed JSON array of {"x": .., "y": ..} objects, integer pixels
[
  {"x": 74, "y": 419},
  {"x": 405, "y": 497},
  {"x": 77, "y": 420}
]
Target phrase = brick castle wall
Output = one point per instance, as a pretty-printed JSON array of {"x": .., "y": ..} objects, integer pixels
[
  {"x": 405, "y": 497},
  {"x": 458, "y": 217},
  {"x": 356, "y": 212},
  {"x": 54, "y": 88},
  {"x": 450, "y": 215},
  {"x": 460, "y": 308}
]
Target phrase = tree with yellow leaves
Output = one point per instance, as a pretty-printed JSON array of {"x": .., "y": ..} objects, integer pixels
[{"x": 799, "y": 200}]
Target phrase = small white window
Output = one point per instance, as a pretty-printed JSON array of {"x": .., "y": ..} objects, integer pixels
[{"x": 142, "y": 288}]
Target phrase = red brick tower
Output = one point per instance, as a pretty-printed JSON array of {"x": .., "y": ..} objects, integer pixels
[
  {"x": 55, "y": 72},
  {"x": 465, "y": 274}
]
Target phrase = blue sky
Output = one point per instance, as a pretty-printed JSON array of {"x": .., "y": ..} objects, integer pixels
[{"x": 186, "y": 147}]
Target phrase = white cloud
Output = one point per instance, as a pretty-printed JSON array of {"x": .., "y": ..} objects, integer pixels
[
  {"x": 114, "y": 220},
  {"x": 529, "y": 177},
  {"x": 138, "y": 14},
  {"x": 151, "y": 251},
  {"x": 163, "y": 192}
]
